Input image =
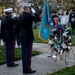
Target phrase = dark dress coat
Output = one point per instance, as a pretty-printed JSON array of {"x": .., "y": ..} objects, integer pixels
[
  {"x": 7, "y": 28},
  {"x": 24, "y": 26}
]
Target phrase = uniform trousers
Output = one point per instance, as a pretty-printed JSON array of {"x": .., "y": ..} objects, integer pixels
[
  {"x": 26, "y": 55},
  {"x": 10, "y": 52}
]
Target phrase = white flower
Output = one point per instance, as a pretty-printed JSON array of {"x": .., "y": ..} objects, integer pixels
[
  {"x": 55, "y": 38},
  {"x": 70, "y": 44},
  {"x": 69, "y": 37},
  {"x": 50, "y": 42},
  {"x": 69, "y": 47},
  {"x": 64, "y": 34},
  {"x": 64, "y": 46}
]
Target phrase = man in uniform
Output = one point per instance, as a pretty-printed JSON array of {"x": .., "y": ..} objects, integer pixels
[
  {"x": 25, "y": 31},
  {"x": 8, "y": 36}
]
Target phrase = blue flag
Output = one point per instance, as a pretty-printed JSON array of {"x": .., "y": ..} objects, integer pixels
[{"x": 44, "y": 31}]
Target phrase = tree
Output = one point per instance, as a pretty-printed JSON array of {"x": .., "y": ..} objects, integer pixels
[
  {"x": 37, "y": 5},
  {"x": 66, "y": 4}
]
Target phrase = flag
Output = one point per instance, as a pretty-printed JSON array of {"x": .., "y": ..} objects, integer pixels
[{"x": 44, "y": 31}]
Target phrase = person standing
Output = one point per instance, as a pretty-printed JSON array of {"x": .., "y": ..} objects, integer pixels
[
  {"x": 55, "y": 20},
  {"x": 25, "y": 31},
  {"x": 72, "y": 21},
  {"x": 0, "y": 31},
  {"x": 8, "y": 36}
]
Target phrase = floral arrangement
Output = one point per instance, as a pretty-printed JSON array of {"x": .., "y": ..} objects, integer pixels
[{"x": 59, "y": 46}]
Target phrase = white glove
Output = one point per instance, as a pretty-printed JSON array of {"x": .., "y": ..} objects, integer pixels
[
  {"x": 33, "y": 11},
  {"x": 14, "y": 15}
]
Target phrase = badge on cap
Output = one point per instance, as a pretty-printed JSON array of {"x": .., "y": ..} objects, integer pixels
[{"x": 8, "y": 10}]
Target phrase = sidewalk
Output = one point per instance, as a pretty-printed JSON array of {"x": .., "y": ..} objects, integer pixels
[{"x": 41, "y": 63}]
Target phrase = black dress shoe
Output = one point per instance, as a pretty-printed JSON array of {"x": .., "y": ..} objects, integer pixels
[
  {"x": 13, "y": 65},
  {"x": 31, "y": 71}
]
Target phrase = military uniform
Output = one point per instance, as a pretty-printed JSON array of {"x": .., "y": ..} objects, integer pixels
[
  {"x": 8, "y": 37},
  {"x": 25, "y": 31}
]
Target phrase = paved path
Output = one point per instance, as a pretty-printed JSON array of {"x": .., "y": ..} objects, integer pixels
[{"x": 41, "y": 63}]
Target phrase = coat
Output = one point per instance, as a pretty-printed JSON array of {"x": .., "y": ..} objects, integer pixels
[
  {"x": 24, "y": 26},
  {"x": 7, "y": 28}
]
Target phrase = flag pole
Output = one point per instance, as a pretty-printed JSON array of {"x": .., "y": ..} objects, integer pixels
[{"x": 48, "y": 11}]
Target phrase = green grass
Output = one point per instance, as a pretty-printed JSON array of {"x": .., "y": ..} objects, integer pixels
[
  {"x": 17, "y": 56},
  {"x": 2, "y": 55},
  {"x": 73, "y": 41},
  {"x": 73, "y": 38},
  {"x": 36, "y": 33},
  {"x": 65, "y": 71}
]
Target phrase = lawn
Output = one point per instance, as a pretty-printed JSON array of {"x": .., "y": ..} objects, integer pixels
[
  {"x": 65, "y": 71},
  {"x": 36, "y": 33},
  {"x": 18, "y": 53},
  {"x": 17, "y": 56}
]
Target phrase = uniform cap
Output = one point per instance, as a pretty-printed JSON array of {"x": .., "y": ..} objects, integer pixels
[
  {"x": 27, "y": 5},
  {"x": 8, "y": 10}
]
